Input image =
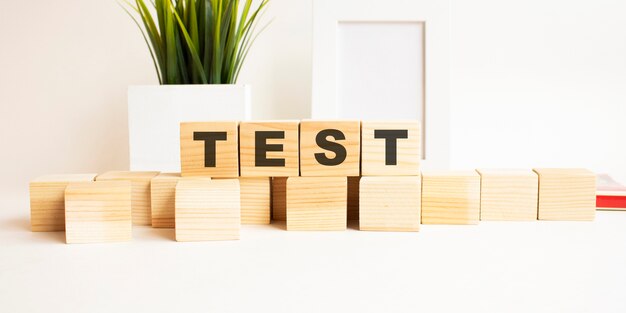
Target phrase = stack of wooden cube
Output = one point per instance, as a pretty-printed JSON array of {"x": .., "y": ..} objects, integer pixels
[
  {"x": 225, "y": 152},
  {"x": 90, "y": 207},
  {"x": 390, "y": 186},
  {"x": 315, "y": 175}
]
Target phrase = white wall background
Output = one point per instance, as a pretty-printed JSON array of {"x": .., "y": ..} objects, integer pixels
[{"x": 534, "y": 83}]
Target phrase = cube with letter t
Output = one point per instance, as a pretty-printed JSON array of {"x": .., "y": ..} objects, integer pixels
[
  {"x": 390, "y": 148},
  {"x": 209, "y": 149},
  {"x": 330, "y": 148}
]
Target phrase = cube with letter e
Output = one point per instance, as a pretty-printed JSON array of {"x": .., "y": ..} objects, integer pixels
[{"x": 269, "y": 148}]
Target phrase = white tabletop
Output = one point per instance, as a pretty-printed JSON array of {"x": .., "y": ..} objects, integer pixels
[{"x": 491, "y": 267}]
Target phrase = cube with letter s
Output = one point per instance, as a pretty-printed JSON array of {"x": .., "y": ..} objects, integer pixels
[{"x": 330, "y": 148}]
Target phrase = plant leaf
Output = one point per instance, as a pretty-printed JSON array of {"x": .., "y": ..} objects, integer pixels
[
  {"x": 197, "y": 41},
  {"x": 143, "y": 34},
  {"x": 192, "y": 48}
]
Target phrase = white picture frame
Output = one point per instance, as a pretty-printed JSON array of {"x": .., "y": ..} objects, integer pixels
[{"x": 334, "y": 19}]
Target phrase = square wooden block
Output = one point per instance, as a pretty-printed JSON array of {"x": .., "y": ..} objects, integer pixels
[
  {"x": 255, "y": 200},
  {"x": 207, "y": 209},
  {"x": 317, "y": 203},
  {"x": 209, "y": 149},
  {"x": 567, "y": 194},
  {"x": 47, "y": 200},
  {"x": 353, "y": 198},
  {"x": 330, "y": 148},
  {"x": 141, "y": 206},
  {"x": 98, "y": 211},
  {"x": 269, "y": 148},
  {"x": 390, "y": 148},
  {"x": 390, "y": 203},
  {"x": 508, "y": 195},
  {"x": 279, "y": 198},
  {"x": 162, "y": 197},
  {"x": 450, "y": 197}
]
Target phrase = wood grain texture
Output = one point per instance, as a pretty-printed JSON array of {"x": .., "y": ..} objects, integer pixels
[
  {"x": 290, "y": 148},
  {"x": 309, "y": 166},
  {"x": 255, "y": 200},
  {"x": 192, "y": 151},
  {"x": 373, "y": 150},
  {"x": 451, "y": 197},
  {"x": 566, "y": 194},
  {"x": 162, "y": 199},
  {"x": 353, "y": 198},
  {"x": 390, "y": 203},
  {"x": 98, "y": 211},
  {"x": 47, "y": 200},
  {"x": 508, "y": 195},
  {"x": 279, "y": 198},
  {"x": 141, "y": 206},
  {"x": 317, "y": 203},
  {"x": 207, "y": 209}
]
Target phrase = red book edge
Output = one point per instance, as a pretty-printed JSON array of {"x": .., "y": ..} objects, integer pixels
[{"x": 618, "y": 202}]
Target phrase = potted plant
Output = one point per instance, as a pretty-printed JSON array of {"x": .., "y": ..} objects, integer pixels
[{"x": 198, "y": 48}]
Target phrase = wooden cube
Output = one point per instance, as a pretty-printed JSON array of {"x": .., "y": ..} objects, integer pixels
[
  {"x": 390, "y": 203},
  {"x": 255, "y": 200},
  {"x": 353, "y": 198},
  {"x": 317, "y": 203},
  {"x": 140, "y": 203},
  {"x": 330, "y": 148},
  {"x": 162, "y": 196},
  {"x": 390, "y": 148},
  {"x": 451, "y": 197},
  {"x": 567, "y": 194},
  {"x": 207, "y": 209},
  {"x": 508, "y": 195},
  {"x": 209, "y": 149},
  {"x": 98, "y": 211},
  {"x": 269, "y": 148},
  {"x": 47, "y": 200},
  {"x": 279, "y": 198}
]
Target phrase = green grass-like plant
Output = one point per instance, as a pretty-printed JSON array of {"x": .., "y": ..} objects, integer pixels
[{"x": 197, "y": 41}]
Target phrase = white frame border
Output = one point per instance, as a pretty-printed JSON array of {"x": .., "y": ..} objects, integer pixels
[{"x": 435, "y": 16}]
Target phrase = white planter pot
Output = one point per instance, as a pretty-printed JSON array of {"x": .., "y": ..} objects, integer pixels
[{"x": 155, "y": 114}]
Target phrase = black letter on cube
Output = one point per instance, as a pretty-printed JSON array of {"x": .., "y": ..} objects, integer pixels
[
  {"x": 209, "y": 139},
  {"x": 339, "y": 150},
  {"x": 391, "y": 144},
  {"x": 261, "y": 147}
]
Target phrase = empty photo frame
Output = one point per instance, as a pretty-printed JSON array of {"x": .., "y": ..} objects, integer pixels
[{"x": 374, "y": 61}]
